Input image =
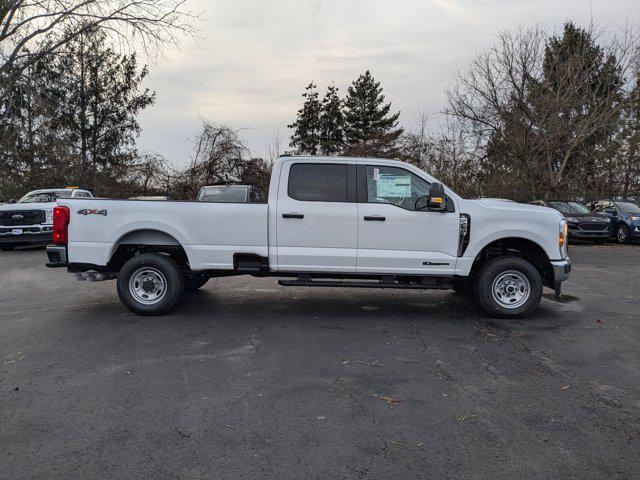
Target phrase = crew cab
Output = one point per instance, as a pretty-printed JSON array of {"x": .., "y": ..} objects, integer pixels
[
  {"x": 30, "y": 219},
  {"x": 329, "y": 222}
]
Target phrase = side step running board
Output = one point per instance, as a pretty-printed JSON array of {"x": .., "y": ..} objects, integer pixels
[{"x": 424, "y": 283}]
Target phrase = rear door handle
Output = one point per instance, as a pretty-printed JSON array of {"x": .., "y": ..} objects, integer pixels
[
  {"x": 292, "y": 215},
  {"x": 375, "y": 218}
]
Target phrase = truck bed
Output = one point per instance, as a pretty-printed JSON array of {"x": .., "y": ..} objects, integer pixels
[{"x": 210, "y": 233}]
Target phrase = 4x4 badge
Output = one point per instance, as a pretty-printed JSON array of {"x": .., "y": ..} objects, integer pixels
[{"x": 88, "y": 211}]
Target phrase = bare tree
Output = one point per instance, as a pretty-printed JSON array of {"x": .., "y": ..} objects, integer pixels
[
  {"x": 445, "y": 153},
  {"x": 149, "y": 173},
  {"x": 219, "y": 156},
  {"x": 274, "y": 146},
  {"x": 545, "y": 109},
  {"x": 33, "y": 29}
]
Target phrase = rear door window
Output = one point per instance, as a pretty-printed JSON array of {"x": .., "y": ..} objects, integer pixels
[{"x": 315, "y": 182}]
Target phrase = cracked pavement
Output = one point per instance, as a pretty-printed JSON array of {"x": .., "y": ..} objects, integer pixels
[{"x": 247, "y": 379}]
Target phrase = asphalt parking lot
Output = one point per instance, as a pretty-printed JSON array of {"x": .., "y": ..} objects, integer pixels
[{"x": 247, "y": 379}]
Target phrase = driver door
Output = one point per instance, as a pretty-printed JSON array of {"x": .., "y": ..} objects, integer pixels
[{"x": 394, "y": 237}]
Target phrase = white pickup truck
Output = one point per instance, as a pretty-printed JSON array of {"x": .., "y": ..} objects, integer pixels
[
  {"x": 329, "y": 222},
  {"x": 29, "y": 220}
]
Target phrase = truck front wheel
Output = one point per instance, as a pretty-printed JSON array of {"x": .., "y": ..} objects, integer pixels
[
  {"x": 508, "y": 287},
  {"x": 150, "y": 284}
]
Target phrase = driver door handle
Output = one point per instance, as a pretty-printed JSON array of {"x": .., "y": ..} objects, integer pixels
[
  {"x": 374, "y": 218},
  {"x": 292, "y": 215}
]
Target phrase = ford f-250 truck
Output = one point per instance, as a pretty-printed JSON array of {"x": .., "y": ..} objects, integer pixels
[
  {"x": 29, "y": 220},
  {"x": 329, "y": 222}
]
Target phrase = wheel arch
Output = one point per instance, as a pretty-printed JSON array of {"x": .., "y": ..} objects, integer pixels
[
  {"x": 520, "y": 247},
  {"x": 144, "y": 240}
]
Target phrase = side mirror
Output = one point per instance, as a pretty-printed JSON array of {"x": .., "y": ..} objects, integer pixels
[
  {"x": 610, "y": 211},
  {"x": 435, "y": 201},
  {"x": 12, "y": 200}
]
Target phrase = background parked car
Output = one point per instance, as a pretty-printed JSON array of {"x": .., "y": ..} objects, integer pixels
[
  {"x": 230, "y": 194},
  {"x": 583, "y": 224},
  {"x": 625, "y": 218},
  {"x": 30, "y": 219}
]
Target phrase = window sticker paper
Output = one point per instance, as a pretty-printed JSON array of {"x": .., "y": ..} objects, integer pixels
[{"x": 393, "y": 186}]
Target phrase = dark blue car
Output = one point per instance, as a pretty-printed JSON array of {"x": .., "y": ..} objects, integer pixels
[{"x": 625, "y": 218}]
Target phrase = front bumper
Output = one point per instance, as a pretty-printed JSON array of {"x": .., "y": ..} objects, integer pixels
[
  {"x": 576, "y": 234},
  {"x": 57, "y": 255},
  {"x": 561, "y": 270},
  {"x": 27, "y": 235}
]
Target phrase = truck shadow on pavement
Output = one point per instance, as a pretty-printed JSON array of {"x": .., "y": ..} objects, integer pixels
[{"x": 327, "y": 308}]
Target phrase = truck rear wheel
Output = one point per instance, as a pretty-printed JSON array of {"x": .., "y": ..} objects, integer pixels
[
  {"x": 508, "y": 287},
  {"x": 150, "y": 284}
]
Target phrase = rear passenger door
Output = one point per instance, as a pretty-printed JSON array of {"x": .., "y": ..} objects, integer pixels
[{"x": 317, "y": 217}]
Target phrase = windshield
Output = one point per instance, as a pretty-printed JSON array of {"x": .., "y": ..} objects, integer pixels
[
  {"x": 223, "y": 195},
  {"x": 44, "y": 197},
  {"x": 569, "y": 208},
  {"x": 626, "y": 207}
]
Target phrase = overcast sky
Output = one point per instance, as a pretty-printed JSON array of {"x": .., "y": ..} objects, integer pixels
[{"x": 254, "y": 57}]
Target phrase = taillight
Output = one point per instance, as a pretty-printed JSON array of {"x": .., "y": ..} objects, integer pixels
[{"x": 61, "y": 218}]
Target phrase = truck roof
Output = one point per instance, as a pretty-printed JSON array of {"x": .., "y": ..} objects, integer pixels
[{"x": 52, "y": 190}]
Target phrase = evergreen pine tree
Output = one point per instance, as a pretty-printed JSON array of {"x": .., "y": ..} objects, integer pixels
[
  {"x": 102, "y": 98},
  {"x": 331, "y": 123},
  {"x": 369, "y": 129},
  {"x": 306, "y": 128}
]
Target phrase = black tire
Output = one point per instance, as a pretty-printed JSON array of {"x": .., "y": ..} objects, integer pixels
[
  {"x": 7, "y": 247},
  {"x": 194, "y": 282},
  {"x": 510, "y": 272},
  {"x": 622, "y": 234},
  {"x": 160, "y": 269}
]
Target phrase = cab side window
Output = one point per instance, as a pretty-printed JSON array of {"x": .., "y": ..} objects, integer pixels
[
  {"x": 318, "y": 182},
  {"x": 395, "y": 186}
]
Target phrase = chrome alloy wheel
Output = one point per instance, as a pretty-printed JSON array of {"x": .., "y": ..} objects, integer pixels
[
  {"x": 148, "y": 285},
  {"x": 511, "y": 289}
]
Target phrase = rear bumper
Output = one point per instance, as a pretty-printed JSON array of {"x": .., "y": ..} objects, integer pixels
[
  {"x": 561, "y": 270},
  {"x": 57, "y": 255}
]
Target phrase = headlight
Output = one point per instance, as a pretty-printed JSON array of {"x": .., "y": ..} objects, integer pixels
[
  {"x": 634, "y": 218},
  {"x": 563, "y": 234},
  {"x": 49, "y": 215},
  {"x": 572, "y": 220}
]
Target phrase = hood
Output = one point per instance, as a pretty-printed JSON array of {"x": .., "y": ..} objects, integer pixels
[
  {"x": 521, "y": 209},
  {"x": 514, "y": 206},
  {"x": 12, "y": 207}
]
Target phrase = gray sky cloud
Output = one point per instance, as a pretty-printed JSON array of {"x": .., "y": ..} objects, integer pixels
[{"x": 254, "y": 58}]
